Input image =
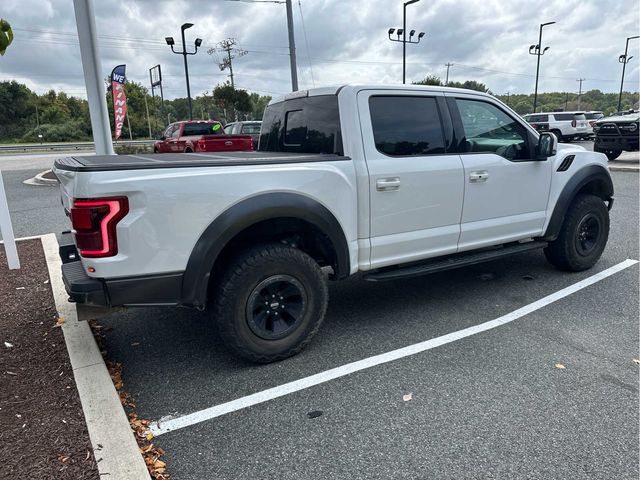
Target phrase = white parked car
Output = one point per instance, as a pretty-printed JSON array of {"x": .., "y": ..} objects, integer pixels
[
  {"x": 392, "y": 181},
  {"x": 567, "y": 126}
]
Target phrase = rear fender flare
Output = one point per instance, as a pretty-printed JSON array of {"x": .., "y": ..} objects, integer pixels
[{"x": 245, "y": 214}]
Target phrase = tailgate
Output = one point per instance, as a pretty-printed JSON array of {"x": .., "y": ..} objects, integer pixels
[
  {"x": 67, "y": 183},
  {"x": 228, "y": 143}
]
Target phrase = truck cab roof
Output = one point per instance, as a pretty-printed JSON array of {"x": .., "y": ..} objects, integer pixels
[{"x": 335, "y": 89}]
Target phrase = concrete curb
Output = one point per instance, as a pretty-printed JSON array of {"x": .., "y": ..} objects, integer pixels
[
  {"x": 114, "y": 445},
  {"x": 620, "y": 168},
  {"x": 39, "y": 179}
]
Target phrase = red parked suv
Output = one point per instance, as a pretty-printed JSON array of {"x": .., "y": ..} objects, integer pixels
[{"x": 200, "y": 136}]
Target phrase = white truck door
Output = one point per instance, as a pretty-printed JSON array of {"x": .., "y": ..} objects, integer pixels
[
  {"x": 415, "y": 187},
  {"x": 506, "y": 190}
]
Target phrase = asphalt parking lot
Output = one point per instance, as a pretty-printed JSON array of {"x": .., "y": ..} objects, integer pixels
[
  {"x": 492, "y": 405},
  {"x": 489, "y": 406}
]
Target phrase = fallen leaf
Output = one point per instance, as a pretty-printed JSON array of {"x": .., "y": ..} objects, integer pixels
[
  {"x": 560, "y": 366},
  {"x": 407, "y": 397},
  {"x": 59, "y": 321},
  {"x": 8, "y": 345},
  {"x": 637, "y": 360},
  {"x": 149, "y": 436},
  {"x": 159, "y": 464}
]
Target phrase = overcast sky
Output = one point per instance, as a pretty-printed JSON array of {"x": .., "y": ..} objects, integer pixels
[{"x": 346, "y": 42}]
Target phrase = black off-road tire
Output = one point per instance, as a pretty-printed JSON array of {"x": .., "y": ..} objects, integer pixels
[
  {"x": 240, "y": 289},
  {"x": 583, "y": 235},
  {"x": 611, "y": 154}
]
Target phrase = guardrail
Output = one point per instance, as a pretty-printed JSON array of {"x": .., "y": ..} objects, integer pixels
[{"x": 66, "y": 146}]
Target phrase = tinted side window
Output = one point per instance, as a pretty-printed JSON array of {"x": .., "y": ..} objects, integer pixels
[
  {"x": 537, "y": 118},
  {"x": 489, "y": 129},
  {"x": 176, "y": 132},
  {"x": 168, "y": 131},
  {"x": 302, "y": 125},
  {"x": 251, "y": 128},
  {"x": 404, "y": 125}
]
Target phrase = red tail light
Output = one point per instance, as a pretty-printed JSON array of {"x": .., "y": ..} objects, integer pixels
[
  {"x": 574, "y": 123},
  {"x": 202, "y": 145},
  {"x": 94, "y": 222}
]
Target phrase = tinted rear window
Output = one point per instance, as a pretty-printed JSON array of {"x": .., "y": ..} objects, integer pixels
[
  {"x": 537, "y": 118},
  {"x": 404, "y": 125},
  {"x": 251, "y": 128},
  {"x": 302, "y": 125},
  {"x": 563, "y": 117},
  {"x": 202, "y": 129},
  {"x": 593, "y": 116}
]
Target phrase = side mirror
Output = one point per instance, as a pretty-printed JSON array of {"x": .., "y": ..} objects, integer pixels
[{"x": 546, "y": 147}]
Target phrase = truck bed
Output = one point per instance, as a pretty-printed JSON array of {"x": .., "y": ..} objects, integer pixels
[{"x": 100, "y": 163}]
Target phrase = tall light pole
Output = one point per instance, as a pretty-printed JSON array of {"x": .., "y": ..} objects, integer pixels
[
  {"x": 539, "y": 51},
  {"x": 292, "y": 48},
  {"x": 403, "y": 31},
  {"x": 624, "y": 59},
  {"x": 184, "y": 53}
]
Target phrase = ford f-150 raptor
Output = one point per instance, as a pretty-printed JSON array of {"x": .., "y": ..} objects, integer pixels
[{"x": 390, "y": 181}]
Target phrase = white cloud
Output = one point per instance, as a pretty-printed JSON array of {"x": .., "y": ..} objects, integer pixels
[{"x": 487, "y": 41}]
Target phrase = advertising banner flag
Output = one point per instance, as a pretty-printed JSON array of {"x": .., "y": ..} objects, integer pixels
[{"x": 119, "y": 98}]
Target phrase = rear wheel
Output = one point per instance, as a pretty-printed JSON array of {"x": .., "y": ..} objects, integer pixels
[
  {"x": 583, "y": 235},
  {"x": 558, "y": 135},
  {"x": 270, "y": 302},
  {"x": 188, "y": 150}
]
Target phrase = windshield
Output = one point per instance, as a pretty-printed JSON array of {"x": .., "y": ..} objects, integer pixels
[{"x": 251, "y": 128}]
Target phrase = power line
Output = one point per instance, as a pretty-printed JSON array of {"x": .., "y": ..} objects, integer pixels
[{"x": 306, "y": 43}]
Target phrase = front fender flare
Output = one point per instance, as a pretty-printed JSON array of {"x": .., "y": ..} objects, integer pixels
[{"x": 591, "y": 174}]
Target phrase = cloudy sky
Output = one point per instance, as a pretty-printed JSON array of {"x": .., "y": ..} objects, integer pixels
[{"x": 338, "y": 41}]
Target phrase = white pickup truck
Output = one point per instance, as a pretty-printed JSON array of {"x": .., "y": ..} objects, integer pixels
[{"x": 391, "y": 181}]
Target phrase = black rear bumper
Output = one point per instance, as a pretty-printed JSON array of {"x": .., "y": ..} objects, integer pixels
[{"x": 148, "y": 290}]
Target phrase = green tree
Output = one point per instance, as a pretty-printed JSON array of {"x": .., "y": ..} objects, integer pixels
[
  {"x": 6, "y": 35},
  {"x": 470, "y": 85},
  {"x": 429, "y": 80}
]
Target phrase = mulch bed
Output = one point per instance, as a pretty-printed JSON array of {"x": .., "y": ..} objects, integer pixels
[{"x": 43, "y": 433}]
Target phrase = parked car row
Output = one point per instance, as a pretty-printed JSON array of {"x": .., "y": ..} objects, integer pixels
[
  {"x": 198, "y": 136},
  {"x": 567, "y": 126}
]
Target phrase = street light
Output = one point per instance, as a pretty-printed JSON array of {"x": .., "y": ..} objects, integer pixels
[
  {"x": 184, "y": 53},
  {"x": 539, "y": 51},
  {"x": 403, "y": 32},
  {"x": 624, "y": 59}
]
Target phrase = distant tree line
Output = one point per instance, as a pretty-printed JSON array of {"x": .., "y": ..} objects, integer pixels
[
  {"x": 549, "y": 102},
  {"x": 58, "y": 117}
]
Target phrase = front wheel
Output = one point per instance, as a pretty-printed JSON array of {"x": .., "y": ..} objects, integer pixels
[
  {"x": 611, "y": 154},
  {"x": 583, "y": 235},
  {"x": 270, "y": 302}
]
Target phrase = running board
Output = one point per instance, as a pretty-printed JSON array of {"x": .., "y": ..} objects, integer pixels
[{"x": 450, "y": 262}]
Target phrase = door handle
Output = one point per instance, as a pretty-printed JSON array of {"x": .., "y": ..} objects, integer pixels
[
  {"x": 388, "y": 184},
  {"x": 228, "y": 142},
  {"x": 478, "y": 177}
]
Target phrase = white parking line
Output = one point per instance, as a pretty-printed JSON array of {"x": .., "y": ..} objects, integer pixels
[{"x": 170, "y": 425}]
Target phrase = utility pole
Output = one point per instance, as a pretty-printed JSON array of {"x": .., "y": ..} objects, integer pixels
[
  {"x": 624, "y": 59},
  {"x": 184, "y": 53},
  {"x": 292, "y": 48},
  {"x": 507, "y": 99},
  {"x": 228, "y": 48},
  {"x": 539, "y": 51},
  {"x": 566, "y": 101},
  {"x": 129, "y": 123},
  {"x": 448, "y": 65},
  {"x": 580, "y": 92}
]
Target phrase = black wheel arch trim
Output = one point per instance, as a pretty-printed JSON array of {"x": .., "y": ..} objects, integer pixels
[
  {"x": 581, "y": 178},
  {"x": 245, "y": 214}
]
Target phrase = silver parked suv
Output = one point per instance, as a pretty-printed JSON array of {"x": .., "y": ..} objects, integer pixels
[{"x": 566, "y": 126}]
